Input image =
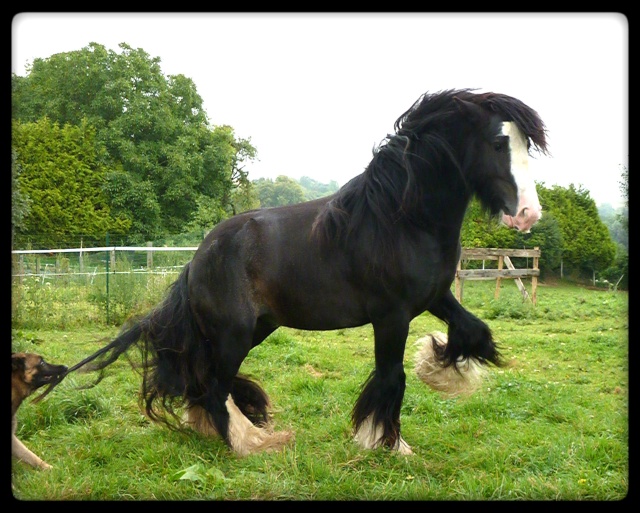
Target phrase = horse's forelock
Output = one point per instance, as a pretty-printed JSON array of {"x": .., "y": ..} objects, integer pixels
[
  {"x": 440, "y": 104},
  {"x": 527, "y": 119},
  {"x": 430, "y": 107}
]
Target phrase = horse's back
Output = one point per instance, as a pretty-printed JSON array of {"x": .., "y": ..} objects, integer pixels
[{"x": 266, "y": 264}]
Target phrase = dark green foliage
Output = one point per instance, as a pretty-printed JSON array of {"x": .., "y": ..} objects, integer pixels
[
  {"x": 20, "y": 201},
  {"x": 570, "y": 233},
  {"x": 547, "y": 236},
  {"x": 314, "y": 189},
  {"x": 281, "y": 191},
  {"x": 163, "y": 166},
  {"x": 617, "y": 221},
  {"x": 287, "y": 191},
  {"x": 618, "y": 273},
  {"x": 63, "y": 179},
  {"x": 618, "y": 224},
  {"x": 624, "y": 189},
  {"x": 587, "y": 245}
]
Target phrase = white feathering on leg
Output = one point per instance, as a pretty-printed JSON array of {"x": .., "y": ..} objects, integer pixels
[
  {"x": 245, "y": 438},
  {"x": 368, "y": 437},
  {"x": 446, "y": 380}
]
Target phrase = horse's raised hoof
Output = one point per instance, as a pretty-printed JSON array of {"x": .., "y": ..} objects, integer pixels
[
  {"x": 446, "y": 380},
  {"x": 245, "y": 438},
  {"x": 368, "y": 437}
]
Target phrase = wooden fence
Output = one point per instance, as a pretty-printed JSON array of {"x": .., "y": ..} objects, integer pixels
[{"x": 503, "y": 256}]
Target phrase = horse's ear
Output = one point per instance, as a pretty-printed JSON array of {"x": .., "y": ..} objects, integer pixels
[{"x": 474, "y": 112}]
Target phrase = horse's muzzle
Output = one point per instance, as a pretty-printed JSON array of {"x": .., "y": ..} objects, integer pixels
[{"x": 524, "y": 219}]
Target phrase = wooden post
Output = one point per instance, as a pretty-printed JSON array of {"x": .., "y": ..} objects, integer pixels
[
  {"x": 518, "y": 281},
  {"x": 149, "y": 256},
  {"x": 534, "y": 279},
  {"x": 80, "y": 259},
  {"x": 505, "y": 269},
  {"x": 21, "y": 268},
  {"x": 459, "y": 282},
  {"x": 500, "y": 264}
]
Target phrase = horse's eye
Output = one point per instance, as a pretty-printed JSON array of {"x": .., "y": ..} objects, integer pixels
[{"x": 501, "y": 144}]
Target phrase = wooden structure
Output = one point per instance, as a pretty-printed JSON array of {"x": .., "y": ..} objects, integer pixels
[{"x": 503, "y": 256}]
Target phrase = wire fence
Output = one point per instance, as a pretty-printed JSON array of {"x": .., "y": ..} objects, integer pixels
[
  {"x": 59, "y": 287},
  {"x": 48, "y": 263}
]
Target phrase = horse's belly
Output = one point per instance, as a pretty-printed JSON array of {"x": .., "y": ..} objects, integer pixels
[
  {"x": 316, "y": 309},
  {"x": 322, "y": 323}
]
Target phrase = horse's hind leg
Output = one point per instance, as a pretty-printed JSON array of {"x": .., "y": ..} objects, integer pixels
[
  {"x": 248, "y": 396},
  {"x": 376, "y": 414},
  {"x": 232, "y": 402},
  {"x": 241, "y": 435}
]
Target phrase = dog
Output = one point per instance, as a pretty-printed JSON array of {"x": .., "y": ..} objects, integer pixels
[{"x": 29, "y": 372}]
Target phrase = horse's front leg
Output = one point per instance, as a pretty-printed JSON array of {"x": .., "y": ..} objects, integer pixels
[
  {"x": 376, "y": 414},
  {"x": 468, "y": 336}
]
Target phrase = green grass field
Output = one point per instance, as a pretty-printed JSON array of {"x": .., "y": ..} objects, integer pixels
[{"x": 553, "y": 424}]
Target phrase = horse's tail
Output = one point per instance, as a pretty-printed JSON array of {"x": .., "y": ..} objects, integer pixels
[
  {"x": 175, "y": 355},
  {"x": 104, "y": 356}
]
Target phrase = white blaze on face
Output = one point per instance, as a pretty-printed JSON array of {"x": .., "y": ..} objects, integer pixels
[{"x": 529, "y": 210}]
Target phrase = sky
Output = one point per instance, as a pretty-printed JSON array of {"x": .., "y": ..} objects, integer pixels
[{"x": 316, "y": 92}]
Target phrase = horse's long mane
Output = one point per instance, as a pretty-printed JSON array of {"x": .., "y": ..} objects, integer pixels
[{"x": 387, "y": 192}]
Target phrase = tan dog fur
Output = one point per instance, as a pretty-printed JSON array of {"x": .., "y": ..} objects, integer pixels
[{"x": 29, "y": 371}]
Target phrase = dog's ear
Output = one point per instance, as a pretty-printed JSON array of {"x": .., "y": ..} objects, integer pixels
[{"x": 17, "y": 362}]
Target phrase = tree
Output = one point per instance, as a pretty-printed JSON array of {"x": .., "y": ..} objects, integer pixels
[
  {"x": 547, "y": 236},
  {"x": 63, "y": 179},
  {"x": 587, "y": 245},
  {"x": 624, "y": 189},
  {"x": 136, "y": 201},
  {"x": 314, "y": 189},
  {"x": 282, "y": 191},
  {"x": 618, "y": 224},
  {"x": 477, "y": 227},
  {"x": 20, "y": 202},
  {"x": 164, "y": 160}
]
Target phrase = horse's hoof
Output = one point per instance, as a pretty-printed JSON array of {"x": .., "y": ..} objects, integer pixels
[
  {"x": 258, "y": 440},
  {"x": 446, "y": 380},
  {"x": 246, "y": 438},
  {"x": 369, "y": 437},
  {"x": 403, "y": 448}
]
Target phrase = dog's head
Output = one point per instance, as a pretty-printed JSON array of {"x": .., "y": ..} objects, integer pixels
[{"x": 32, "y": 370}]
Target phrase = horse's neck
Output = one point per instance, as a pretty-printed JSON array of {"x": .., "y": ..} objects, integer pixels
[
  {"x": 442, "y": 207},
  {"x": 443, "y": 191}
]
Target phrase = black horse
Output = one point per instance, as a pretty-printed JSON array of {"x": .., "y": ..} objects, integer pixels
[{"x": 381, "y": 250}]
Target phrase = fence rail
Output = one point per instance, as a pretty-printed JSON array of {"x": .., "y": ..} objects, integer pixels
[
  {"x": 102, "y": 249},
  {"x": 93, "y": 276},
  {"x": 20, "y": 265},
  {"x": 503, "y": 256}
]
